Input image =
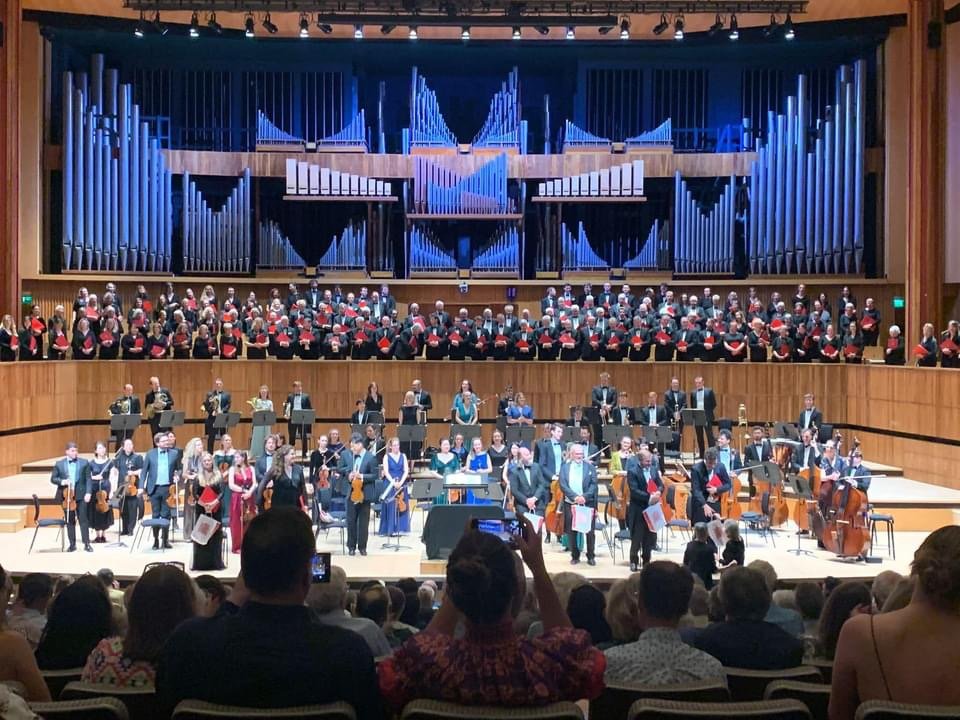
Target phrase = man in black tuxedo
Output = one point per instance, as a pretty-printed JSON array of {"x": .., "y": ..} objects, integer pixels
[
  {"x": 759, "y": 450},
  {"x": 421, "y": 397},
  {"x": 150, "y": 399},
  {"x": 578, "y": 482},
  {"x": 131, "y": 506},
  {"x": 359, "y": 463},
  {"x": 297, "y": 400},
  {"x": 548, "y": 453},
  {"x": 806, "y": 455},
  {"x": 708, "y": 482},
  {"x": 810, "y": 417},
  {"x": 653, "y": 415},
  {"x": 622, "y": 414},
  {"x": 216, "y": 403},
  {"x": 72, "y": 474},
  {"x": 126, "y": 404},
  {"x": 161, "y": 469},
  {"x": 645, "y": 484},
  {"x": 674, "y": 402},
  {"x": 702, "y": 398},
  {"x": 528, "y": 484}
]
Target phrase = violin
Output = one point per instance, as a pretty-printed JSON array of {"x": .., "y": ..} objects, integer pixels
[
  {"x": 69, "y": 499},
  {"x": 268, "y": 498},
  {"x": 553, "y": 515},
  {"x": 356, "y": 488},
  {"x": 131, "y": 485},
  {"x": 401, "y": 501},
  {"x": 102, "y": 504}
]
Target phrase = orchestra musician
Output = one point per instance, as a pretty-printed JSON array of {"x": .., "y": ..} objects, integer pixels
[
  {"x": 646, "y": 486},
  {"x": 604, "y": 397},
  {"x": 396, "y": 471},
  {"x": 831, "y": 468},
  {"x": 590, "y": 450},
  {"x": 674, "y": 401},
  {"x": 129, "y": 463},
  {"x": 759, "y": 450},
  {"x": 807, "y": 454},
  {"x": 421, "y": 397},
  {"x": 703, "y": 398},
  {"x": 100, "y": 478},
  {"x": 208, "y": 492},
  {"x": 156, "y": 400},
  {"x": 708, "y": 481},
  {"x": 358, "y": 464},
  {"x": 126, "y": 404},
  {"x": 297, "y": 400},
  {"x": 548, "y": 452},
  {"x": 578, "y": 482},
  {"x": 855, "y": 476},
  {"x": 810, "y": 416},
  {"x": 529, "y": 485},
  {"x": 216, "y": 403},
  {"x": 726, "y": 454},
  {"x": 286, "y": 481},
  {"x": 265, "y": 461},
  {"x": 161, "y": 469},
  {"x": 622, "y": 414},
  {"x": 71, "y": 475}
]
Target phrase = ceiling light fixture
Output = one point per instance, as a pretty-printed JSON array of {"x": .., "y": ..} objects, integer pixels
[
  {"x": 465, "y": 32},
  {"x": 268, "y": 25},
  {"x": 387, "y": 29},
  {"x": 304, "y": 26},
  {"x": 248, "y": 29},
  {"x": 358, "y": 32},
  {"x": 138, "y": 28},
  {"x": 625, "y": 29},
  {"x": 516, "y": 32},
  {"x": 194, "y": 31},
  {"x": 159, "y": 26},
  {"x": 661, "y": 26},
  {"x": 788, "y": 32},
  {"x": 413, "y": 32},
  {"x": 542, "y": 29},
  {"x": 770, "y": 29},
  {"x": 571, "y": 32},
  {"x": 213, "y": 25},
  {"x": 678, "y": 28},
  {"x": 716, "y": 27},
  {"x": 734, "y": 33}
]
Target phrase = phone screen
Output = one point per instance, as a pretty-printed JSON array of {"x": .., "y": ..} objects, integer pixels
[
  {"x": 506, "y": 530},
  {"x": 320, "y": 567}
]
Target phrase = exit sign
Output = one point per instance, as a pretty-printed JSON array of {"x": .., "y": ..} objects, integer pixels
[
  {"x": 26, "y": 299},
  {"x": 898, "y": 303}
]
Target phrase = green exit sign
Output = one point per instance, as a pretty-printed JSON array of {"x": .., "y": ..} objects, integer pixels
[
  {"x": 898, "y": 303},
  {"x": 26, "y": 299}
]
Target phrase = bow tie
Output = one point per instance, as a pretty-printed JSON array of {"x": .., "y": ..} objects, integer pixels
[{"x": 73, "y": 461}]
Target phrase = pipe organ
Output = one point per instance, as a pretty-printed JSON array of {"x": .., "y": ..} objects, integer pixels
[
  {"x": 578, "y": 255},
  {"x": 427, "y": 255},
  {"x": 271, "y": 137},
  {"x": 274, "y": 249},
  {"x": 703, "y": 240},
  {"x": 117, "y": 190},
  {"x": 437, "y": 190},
  {"x": 504, "y": 129},
  {"x": 576, "y": 139},
  {"x": 624, "y": 180},
  {"x": 806, "y": 185},
  {"x": 305, "y": 178},
  {"x": 347, "y": 251},
  {"x": 428, "y": 129},
  {"x": 502, "y": 253},
  {"x": 217, "y": 241},
  {"x": 659, "y": 136},
  {"x": 352, "y": 138},
  {"x": 656, "y": 245}
]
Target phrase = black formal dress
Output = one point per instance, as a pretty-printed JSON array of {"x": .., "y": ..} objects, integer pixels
[{"x": 210, "y": 556}]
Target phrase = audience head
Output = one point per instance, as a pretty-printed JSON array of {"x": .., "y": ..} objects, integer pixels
[
  {"x": 35, "y": 591},
  {"x": 699, "y": 601},
  {"x": 882, "y": 585},
  {"x": 398, "y": 603},
  {"x": 79, "y": 617},
  {"x": 785, "y": 599},
  {"x": 809, "y": 599},
  {"x": 936, "y": 567},
  {"x": 330, "y": 596},
  {"x": 373, "y": 603},
  {"x": 162, "y": 598},
  {"x": 715, "y": 611},
  {"x": 482, "y": 578},
  {"x": 623, "y": 613},
  {"x": 585, "y": 608},
  {"x": 665, "y": 590},
  {"x": 900, "y": 596},
  {"x": 768, "y": 573},
  {"x": 744, "y": 594},
  {"x": 426, "y": 596},
  {"x": 848, "y": 598},
  {"x": 275, "y": 559},
  {"x": 214, "y": 595},
  {"x": 700, "y": 533}
]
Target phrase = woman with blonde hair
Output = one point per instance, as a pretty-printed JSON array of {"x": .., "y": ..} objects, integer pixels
[
  {"x": 395, "y": 470},
  {"x": 262, "y": 402},
  {"x": 190, "y": 469},
  {"x": 242, "y": 481},
  {"x": 9, "y": 339},
  {"x": 622, "y": 612},
  {"x": 208, "y": 495}
]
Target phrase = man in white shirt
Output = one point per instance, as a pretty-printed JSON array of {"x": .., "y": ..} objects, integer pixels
[
  {"x": 578, "y": 481},
  {"x": 28, "y": 616},
  {"x": 659, "y": 656},
  {"x": 329, "y": 604}
]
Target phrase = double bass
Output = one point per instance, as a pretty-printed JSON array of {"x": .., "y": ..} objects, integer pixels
[
  {"x": 843, "y": 531},
  {"x": 553, "y": 515}
]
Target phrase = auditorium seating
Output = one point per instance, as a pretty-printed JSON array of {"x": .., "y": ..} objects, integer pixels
[
  {"x": 57, "y": 679},
  {"x": 815, "y": 695},
  {"x": 884, "y": 710},
  {"x": 766, "y": 709},
  {"x": 99, "y": 708},
  {"x": 436, "y": 710},
  {"x": 196, "y": 710},
  {"x": 746, "y": 685},
  {"x": 140, "y": 703},
  {"x": 616, "y": 700}
]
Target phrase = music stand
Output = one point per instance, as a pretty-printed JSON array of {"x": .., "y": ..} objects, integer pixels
[
  {"x": 375, "y": 417},
  {"x": 171, "y": 419},
  {"x": 493, "y": 492},
  {"x": 120, "y": 425},
  {"x": 303, "y": 419},
  {"x": 426, "y": 489},
  {"x": 225, "y": 421},
  {"x": 804, "y": 493},
  {"x": 612, "y": 434},
  {"x": 571, "y": 434},
  {"x": 591, "y": 415},
  {"x": 786, "y": 430},
  {"x": 264, "y": 418},
  {"x": 408, "y": 435},
  {"x": 469, "y": 432},
  {"x": 521, "y": 434}
]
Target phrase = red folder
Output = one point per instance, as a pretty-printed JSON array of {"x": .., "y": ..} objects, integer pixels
[
  {"x": 851, "y": 351},
  {"x": 228, "y": 350},
  {"x": 681, "y": 346},
  {"x": 158, "y": 351},
  {"x": 636, "y": 341},
  {"x": 777, "y": 356},
  {"x": 91, "y": 313},
  {"x": 714, "y": 481},
  {"x": 360, "y": 337},
  {"x": 566, "y": 339},
  {"x": 36, "y": 325},
  {"x": 920, "y": 351},
  {"x": 236, "y": 333},
  {"x": 454, "y": 339},
  {"x": 190, "y": 304},
  {"x": 14, "y": 342},
  {"x": 137, "y": 342},
  {"x": 776, "y": 324},
  {"x": 613, "y": 343},
  {"x": 261, "y": 339},
  {"x": 383, "y": 343},
  {"x": 735, "y": 345},
  {"x": 147, "y": 306},
  {"x": 948, "y": 347},
  {"x": 708, "y": 343},
  {"x": 663, "y": 337},
  {"x": 868, "y": 322},
  {"x": 178, "y": 339},
  {"x": 106, "y": 338},
  {"x": 523, "y": 345},
  {"x": 33, "y": 344},
  {"x": 138, "y": 321},
  {"x": 433, "y": 341},
  {"x": 500, "y": 340},
  {"x": 283, "y": 340},
  {"x": 306, "y": 337},
  {"x": 88, "y": 342},
  {"x": 892, "y": 343},
  {"x": 829, "y": 350},
  {"x": 652, "y": 487}
]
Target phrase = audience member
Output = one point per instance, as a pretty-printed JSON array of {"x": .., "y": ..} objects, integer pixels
[
  {"x": 528, "y": 615},
  {"x": 908, "y": 655},
  {"x": 79, "y": 618},
  {"x": 809, "y": 599},
  {"x": 564, "y": 583},
  {"x": 17, "y": 663},
  {"x": 586, "y": 608},
  {"x": 734, "y": 549},
  {"x": 622, "y": 615},
  {"x": 849, "y": 599},
  {"x": 490, "y": 665},
  {"x": 28, "y": 616},
  {"x": 786, "y": 618},
  {"x": 161, "y": 599},
  {"x": 700, "y": 555},
  {"x": 106, "y": 576},
  {"x": 329, "y": 601},
  {"x": 397, "y": 631},
  {"x": 214, "y": 595},
  {"x": 698, "y": 612},
  {"x": 659, "y": 656},
  {"x": 261, "y": 652},
  {"x": 411, "y": 603},
  {"x": 882, "y": 585},
  {"x": 425, "y": 598},
  {"x": 373, "y": 603},
  {"x": 901, "y": 595},
  {"x": 744, "y": 639}
]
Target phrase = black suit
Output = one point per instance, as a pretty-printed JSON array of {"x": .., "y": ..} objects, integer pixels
[
  {"x": 358, "y": 514},
  {"x": 544, "y": 456},
  {"x": 537, "y": 487},
  {"x": 61, "y": 472},
  {"x": 302, "y": 430},
  {"x": 699, "y": 479},
  {"x": 805, "y": 457},
  {"x": 157, "y": 487},
  {"x": 755, "y": 455},
  {"x": 617, "y": 416},
  {"x": 131, "y": 508},
  {"x": 423, "y": 399},
  {"x": 208, "y": 406},
  {"x": 709, "y": 407},
  {"x": 148, "y": 400},
  {"x": 816, "y": 420},
  {"x": 135, "y": 409},
  {"x": 640, "y": 535},
  {"x": 755, "y": 645}
]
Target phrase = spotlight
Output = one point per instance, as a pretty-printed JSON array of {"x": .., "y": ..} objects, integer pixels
[
  {"x": 138, "y": 28},
  {"x": 605, "y": 29},
  {"x": 304, "y": 26},
  {"x": 248, "y": 29},
  {"x": 542, "y": 29},
  {"x": 465, "y": 33},
  {"x": 661, "y": 26},
  {"x": 358, "y": 32},
  {"x": 678, "y": 28},
  {"x": 325, "y": 28},
  {"x": 516, "y": 32},
  {"x": 734, "y": 29},
  {"x": 413, "y": 32},
  {"x": 268, "y": 25},
  {"x": 788, "y": 33},
  {"x": 770, "y": 29},
  {"x": 716, "y": 27},
  {"x": 571, "y": 32},
  {"x": 213, "y": 25},
  {"x": 159, "y": 26},
  {"x": 624, "y": 29},
  {"x": 386, "y": 29},
  {"x": 194, "y": 30}
]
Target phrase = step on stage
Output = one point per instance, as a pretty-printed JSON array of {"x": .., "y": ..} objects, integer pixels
[{"x": 917, "y": 507}]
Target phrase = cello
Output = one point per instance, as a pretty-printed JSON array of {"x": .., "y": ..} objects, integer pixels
[
  {"x": 844, "y": 531},
  {"x": 553, "y": 515}
]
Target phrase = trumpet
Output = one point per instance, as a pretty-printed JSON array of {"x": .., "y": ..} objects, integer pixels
[
  {"x": 211, "y": 405},
  {"x": 286, "y": 410}
]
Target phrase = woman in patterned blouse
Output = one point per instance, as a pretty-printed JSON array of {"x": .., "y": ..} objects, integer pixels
[
  {"x": 490, "y": 664},
  {"x": 162, "y": 598}
]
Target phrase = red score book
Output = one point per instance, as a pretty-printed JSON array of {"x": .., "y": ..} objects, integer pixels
[
  {"x": 306, "y": 337},
  {"x": 735, "y": 345},
  {"x": 454, "y": 339},
  {"x": 88, "y": 342},
  {"x": 158, "y": 351},
  {"x": 708, "y": 343},
  {"x": 91, "y": 313},
  {"x": 137, "y": 342},
  {"x": 681, "y": 346},
  {"x": 830, "y": 351},
  {"x": 360, "y": 337},
  {"x": 566, "y": 340},
  {"x": 434, "y": 341},
  {"x": 651, "y": 487},
  {"x": 350, "y": 313},
  {"x": 36, "y": 325},
  {"x": 867, "y": 323},
  {"x": 261, "y": 339},
  {"x": 190, "y": 304},
  {"x": 546, "y": 342},
  {"x": 892, "y": 343},
  {"x": 776, "y": 324},
  {"x": 228, "y": 350},
  {"x": 383, "y": 343},
  {"x": 106, "y": 338},
  {"x": 147, "y": 306},
  {"x": 920, "y": 351},
  {"x": 636, "y": 341},
  {"x": 14, "y": 342},
  {"x": 523, "y": 346},
  {"x": 613, "y": 343},
  {"x": 851, "y": 351},
  {"x": 663, "y": 338},
  {"x": 500, "y": 340},
  {"x": 178, "y": 339},
  {"x": 236, "y": 333},
  {"x": 777, "y": 356},
  {"x": 33, "y": 345},
  {"x": 714, "y": 481},
  {"x": 948, "y": 347},
  {"x": 212, "y": 346},
  {"x": 594, "y": 340},
  {"x": 283, "y": 340}
]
